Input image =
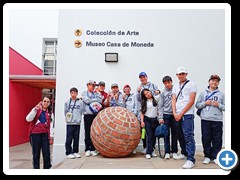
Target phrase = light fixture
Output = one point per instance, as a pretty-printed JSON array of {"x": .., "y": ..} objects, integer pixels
[{"x": 111, "y": 57}]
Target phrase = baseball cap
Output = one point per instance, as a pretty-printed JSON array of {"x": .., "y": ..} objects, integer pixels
[
  {"x": 114, "y": 85},
  {"x": 142, "y": 74},
  {"x": 126, "y": 86},
  {"x": 101, "y": 83},
  {"x": 91, "y": 82},
  {"x": 181, "y": 70},
  {"x": 214, "y": 76}
]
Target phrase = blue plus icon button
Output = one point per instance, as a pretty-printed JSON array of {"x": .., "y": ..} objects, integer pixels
[{"x": 227, "y": 159}]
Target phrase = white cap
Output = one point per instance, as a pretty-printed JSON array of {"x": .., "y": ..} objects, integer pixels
[
  {"x": 114, "y": 85},
  {"x": 91, "y": 82},
  {"x": 181, "y": 70}
]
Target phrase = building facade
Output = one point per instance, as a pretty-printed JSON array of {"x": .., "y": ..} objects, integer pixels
[
  {"x": 156, "y": 41},
  {"x": 26, "y": 88}
]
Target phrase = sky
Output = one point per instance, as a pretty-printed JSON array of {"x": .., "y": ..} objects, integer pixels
[{"x": 28, "y": 27}]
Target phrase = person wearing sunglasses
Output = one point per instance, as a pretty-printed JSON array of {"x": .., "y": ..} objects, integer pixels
[{"x": 39, "y": 132}]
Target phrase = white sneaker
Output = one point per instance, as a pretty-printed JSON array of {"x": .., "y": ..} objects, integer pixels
[
  {"x": 174, "y": 155},
  {"x": 97, "y": 152},
  {"x": 70, "y": 156},
  {"x": 148, "y": 156},
  {"x": 134, "y": 152},
  {"x": 167, "y": 156},
  {"x": 206, "y": 160},
  {"x": 94, "y": 153},
  {"x": 87, "y": 153},
  {"x": 77, "y": 155},
  {"x": 154, "y": 154},
  {"x": 188, "y": 165},
  {"x": 215, "y": 161},
  {"x": 144, "y": 151},
  {"x": 180, "y": 156}
]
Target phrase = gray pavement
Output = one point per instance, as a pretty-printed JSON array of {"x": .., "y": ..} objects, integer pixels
[{"x": 21, "y": 158}]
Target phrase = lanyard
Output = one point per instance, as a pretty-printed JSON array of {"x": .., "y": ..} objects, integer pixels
[
  {"x": 73, "y": 104},
  {"x": 147, "y": 87},
  {"x": 210, "y": 95},
  {"x": 92, "y": 96},
  {"x": 128, "y": 97},
  {"x": 181, "y": 89}
]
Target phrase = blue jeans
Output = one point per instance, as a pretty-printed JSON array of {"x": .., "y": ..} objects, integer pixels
[
  {"x": 169, "y": 122},
  {"x": 40, "y": 142},
  {"x": 72, "y": 136},
  {"x": 176, "y": 134},
  {"x": 180, "y": 137},
  {"x": 150, "y": 125},
  {"x": 211, "y": 138},
  {"x": 88, "y": 119},
  {"x": 188, "y": 132}
]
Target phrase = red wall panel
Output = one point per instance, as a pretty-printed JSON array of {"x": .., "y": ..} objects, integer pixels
[
  {"x": 19, "y": 65},
  {"x": 22, "y": 98}
]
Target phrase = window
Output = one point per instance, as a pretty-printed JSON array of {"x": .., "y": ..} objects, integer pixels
[{"x": 49, "y": 56}]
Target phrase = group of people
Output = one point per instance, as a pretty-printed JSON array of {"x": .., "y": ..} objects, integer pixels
[{"x": 174, "y": 107}]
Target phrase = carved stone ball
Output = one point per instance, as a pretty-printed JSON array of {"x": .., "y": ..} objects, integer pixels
[{"x": 115, "y": 132}]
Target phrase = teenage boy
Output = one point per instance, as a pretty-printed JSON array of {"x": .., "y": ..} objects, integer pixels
[
  {"x": 145, "y": 84},
  {"x": 130, "y": 102},
  {"x": 129, "y": 99},
  {"x": 183, "y": 97},
  {"x": 114, "y": 97},
  {"x": 212, "y": 103},
  {"x": 89, "y": 97},
  {"x": 101, "y": 89},
  {"x": 75, "y": 106},
  {"x": 166, "y": 117}
]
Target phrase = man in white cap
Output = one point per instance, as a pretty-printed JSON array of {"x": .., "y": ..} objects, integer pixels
[
  {"x": 89, "y": 97},
  {"x": 183, "y": 98}
]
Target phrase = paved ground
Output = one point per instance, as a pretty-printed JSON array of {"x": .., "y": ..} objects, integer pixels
[{"x": 21, "y": 158}]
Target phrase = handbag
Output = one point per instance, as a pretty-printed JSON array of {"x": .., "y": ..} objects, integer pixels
[
  {"x": 161, "y": 131},
  {"x": 95, "y": 107},
  {"x": 69, "y": 115},
  {"x": 199, "y": 110}
]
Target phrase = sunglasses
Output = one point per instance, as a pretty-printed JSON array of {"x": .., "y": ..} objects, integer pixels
[{"x": 46, "y": 101}]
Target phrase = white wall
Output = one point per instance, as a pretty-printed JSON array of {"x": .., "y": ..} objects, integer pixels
[{"x": 190, "y": 38}]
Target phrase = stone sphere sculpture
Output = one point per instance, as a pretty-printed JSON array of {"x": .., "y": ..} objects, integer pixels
[{"x": 115, "y": 132}]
